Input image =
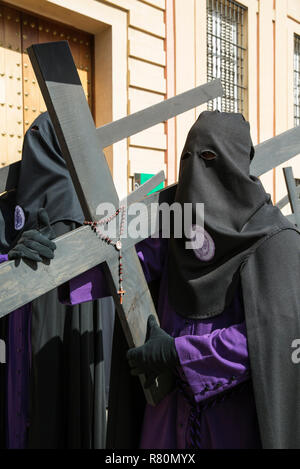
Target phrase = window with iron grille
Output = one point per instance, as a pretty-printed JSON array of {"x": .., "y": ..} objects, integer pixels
[
  {"x": 227, "y": 53},
  {"x": 297, "y": 80}
]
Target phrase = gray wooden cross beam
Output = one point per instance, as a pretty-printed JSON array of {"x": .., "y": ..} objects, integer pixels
[
  {"x": 285, "y": 201},
  {"x": 293, "y": 195},
  {"x": 81, "y": 145}
]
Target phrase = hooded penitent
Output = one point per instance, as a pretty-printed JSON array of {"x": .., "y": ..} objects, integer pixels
[
  {"x": 250, "y": 248},
  {"x": 214, "y": 170},
  {"x": 67, "y": 388}
]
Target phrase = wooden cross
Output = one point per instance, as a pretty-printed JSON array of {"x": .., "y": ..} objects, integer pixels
[{"x": 81, "y": 144}]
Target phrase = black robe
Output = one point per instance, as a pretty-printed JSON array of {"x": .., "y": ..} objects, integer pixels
[{"x": 67, "y": 383}]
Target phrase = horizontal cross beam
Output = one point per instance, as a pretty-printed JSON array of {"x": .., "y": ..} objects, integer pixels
[
  {"x": 275, "y": 151},
  {"x": 134, "y": 123},
  {"x": 71, "y": 259},
  {"x": 161, "y": 112},
  {"x": 144, "y": 189}
]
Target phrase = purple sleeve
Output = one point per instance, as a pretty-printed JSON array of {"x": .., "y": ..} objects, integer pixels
[
  {"x": 3, "y": 258},
  {"x": 215, "y": 362},
  {"x": 85, "y": 287},
  {"x": 92, "y": 284}
]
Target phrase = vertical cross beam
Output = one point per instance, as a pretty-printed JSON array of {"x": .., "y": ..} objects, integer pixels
[
  {"x": 74, "y": 125},
  {"x": 64, "y": 96},
  {"x": 292, "y": 193}
]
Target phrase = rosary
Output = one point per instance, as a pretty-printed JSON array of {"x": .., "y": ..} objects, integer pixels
[{"x": 116, "y": 244}]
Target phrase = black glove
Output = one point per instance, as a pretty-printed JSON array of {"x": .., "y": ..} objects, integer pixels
[
  {"x": 35, "y": 244},
  {"x": 155, "y": 356}
]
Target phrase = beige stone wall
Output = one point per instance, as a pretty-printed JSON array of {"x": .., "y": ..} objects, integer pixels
[{"x": 146, "y": 80}]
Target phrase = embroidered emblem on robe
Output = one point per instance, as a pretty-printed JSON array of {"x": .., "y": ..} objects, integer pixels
[
  {"x": 19, "y": 218},
  {"x": 202, "y": 244}
]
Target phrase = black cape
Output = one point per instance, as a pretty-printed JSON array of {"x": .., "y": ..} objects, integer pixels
[
  {"x": 67, "y": 389},
  {"x": 270, "y": 283},
  {"x": 269, "y": 275}
]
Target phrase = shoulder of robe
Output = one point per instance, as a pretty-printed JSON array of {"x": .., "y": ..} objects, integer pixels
[
  {"x": 270, "y": 280},
  {"x": 279, "y": 250}
]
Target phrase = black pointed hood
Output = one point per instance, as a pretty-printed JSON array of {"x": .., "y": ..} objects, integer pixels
[
  {"x": 215, "y": 171},
  {"x": 44, "y": 178}
]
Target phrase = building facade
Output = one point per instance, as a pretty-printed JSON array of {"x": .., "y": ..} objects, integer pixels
[{"x": 131, "y": 54}]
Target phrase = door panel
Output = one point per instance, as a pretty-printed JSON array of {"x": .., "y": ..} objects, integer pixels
[{"x": 20, "y": 97}]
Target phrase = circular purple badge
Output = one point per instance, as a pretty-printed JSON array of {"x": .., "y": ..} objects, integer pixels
[
  {"x": 202, "y": 244},
  {"x": 19, "y": 218}
]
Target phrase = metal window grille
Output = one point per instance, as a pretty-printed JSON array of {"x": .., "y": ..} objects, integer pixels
[
  {"x": 297, "y": 80},
  {"x": 227, "y": 53}
]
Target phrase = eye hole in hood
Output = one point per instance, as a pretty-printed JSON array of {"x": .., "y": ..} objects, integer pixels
[
  {"x": 186, "y": 155},
  {"x": 208, "y": 155}
]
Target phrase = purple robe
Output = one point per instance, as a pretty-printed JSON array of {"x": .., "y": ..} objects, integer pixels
[{"x": 211, "y": 404}]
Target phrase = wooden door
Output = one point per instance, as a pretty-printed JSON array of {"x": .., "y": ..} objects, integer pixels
[{"x": 20, "y": 97}]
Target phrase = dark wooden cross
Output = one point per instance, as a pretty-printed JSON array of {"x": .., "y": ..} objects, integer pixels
[
  {"x": 293, "y": 195},
  {"x": 81, "y": 144}
]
